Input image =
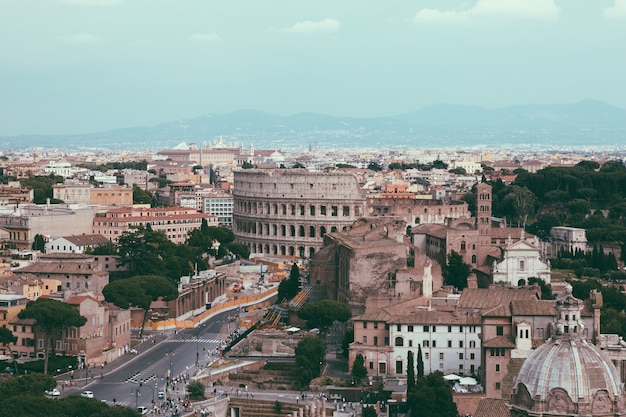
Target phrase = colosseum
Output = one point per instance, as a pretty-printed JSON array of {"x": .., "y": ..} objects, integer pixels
[{"x": 288, "y": 211}]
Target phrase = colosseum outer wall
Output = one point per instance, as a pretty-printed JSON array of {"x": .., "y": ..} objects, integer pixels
[{"x": 288, "y": 211}]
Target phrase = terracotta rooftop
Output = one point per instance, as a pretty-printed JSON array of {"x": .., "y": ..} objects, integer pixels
[
  {"x": 492, "y": 407},
  {"x": 499, "y": 342},
  {"x": 533, "y": 308},
  {"x": 87, "y": 240},
  {"x": 482, "y": 298}
]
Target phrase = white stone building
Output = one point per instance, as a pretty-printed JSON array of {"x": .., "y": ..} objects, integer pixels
[{"x": 522, "y": 260}]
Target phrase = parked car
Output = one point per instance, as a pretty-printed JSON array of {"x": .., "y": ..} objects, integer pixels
[
  {"x": 133, "y": 351},
  {"x": 142, "y": 410},
  {"x": 53, "y": 392},
  {"x": 161, "y": 395},
  {"x": 86, "y": 394}
]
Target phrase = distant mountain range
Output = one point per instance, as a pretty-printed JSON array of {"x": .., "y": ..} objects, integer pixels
[{"x": 586, "y": 123}]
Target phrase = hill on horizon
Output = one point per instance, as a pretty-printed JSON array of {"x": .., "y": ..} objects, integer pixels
[{"x": 584, "y": 123}]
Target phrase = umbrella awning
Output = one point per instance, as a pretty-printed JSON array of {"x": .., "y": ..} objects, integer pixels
[
  {"x": 467, "y": 380},
  {"x": 451, "y": 377}
]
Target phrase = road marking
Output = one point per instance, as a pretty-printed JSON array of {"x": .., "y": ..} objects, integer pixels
[{"x": 216, "y": 341}]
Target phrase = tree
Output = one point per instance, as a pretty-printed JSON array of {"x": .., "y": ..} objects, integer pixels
[
  {"x": 30, "y": 384},
  {"x": 140, "y": 250},
  {"x": 7, "y": 338},
  {"x": 288, "y": 288},
  {"x": 410, "y": 372},
  {"x": 195, "y": 390},
  {"x": 140, "y": 291},
  {"x": 374, "y": 166},
  {"x": 432, "y": 397},
  {"x": 141, "y": 196},
  {"x": 323, "y": 313},
  {"x": 310, "y": 354},
  {"x": 439, "y": 164},
  {"x": 546, "y": 289},
  {"x": 420, "y": 363},
  {"x": 54, "y": 317},
  {"x": 39, "y": 243},
  {"x": 369, "y": 411},
  {"x": 358, "y": 367},
  {"x": 519, "y": 201},
  {"x": 455, "y": 272}
]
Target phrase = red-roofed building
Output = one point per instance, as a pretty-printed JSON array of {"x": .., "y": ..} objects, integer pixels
[{"x": 175, "y": 222}]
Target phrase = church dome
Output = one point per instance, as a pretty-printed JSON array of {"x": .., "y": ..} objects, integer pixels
[{"x": 568, "y": 374}]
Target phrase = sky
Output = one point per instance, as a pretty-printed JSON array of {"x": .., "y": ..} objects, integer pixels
[{"x": 84, "y": 66}]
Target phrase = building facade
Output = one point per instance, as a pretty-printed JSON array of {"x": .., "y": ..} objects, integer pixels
[
  {"x": 112, "y": 195},
  {"x": 569, "y": 239},
  {"x": 51, "y": 221},
  {"x": 288, "y": 211},
  {"x": 175, "y": 222},
  {"x": 75, "y": 244}
]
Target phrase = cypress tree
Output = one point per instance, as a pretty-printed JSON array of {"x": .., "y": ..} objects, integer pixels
[
  {"x": 420, "y": 363},
  {"x": 410, "y": 372}
]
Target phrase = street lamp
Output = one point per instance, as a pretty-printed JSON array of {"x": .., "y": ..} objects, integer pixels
[
  {"x": 169, "y": 376},
  {"x": 138, "y": 393},
  {"x": 197, "y": 351}
]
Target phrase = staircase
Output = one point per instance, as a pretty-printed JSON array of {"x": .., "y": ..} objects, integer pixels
[{"x": 301, "y": 298}]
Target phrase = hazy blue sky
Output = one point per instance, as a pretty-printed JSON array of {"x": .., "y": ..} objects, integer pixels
[{"x": 78, "y": 66}]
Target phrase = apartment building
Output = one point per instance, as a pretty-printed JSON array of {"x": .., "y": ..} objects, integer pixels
[{"x": 175, "y": 222}]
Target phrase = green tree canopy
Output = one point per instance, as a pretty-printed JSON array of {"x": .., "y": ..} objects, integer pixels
[
  {"x": 546, "y": 289},
  {"x": 310, "y": 354},
  {"x": 7, "y": 338},
  {"x": 359, "y": 371},
  {"x": 42, "y": 187},
  {"x": 31, "y": 384},
  {"x": 288, "y": 288},
  {"x": 141, "y": 196},
  {"x": 455, "y": 272},
  {"x": 54, "y": 317},
  {"x": 432, "y": 397},
  {"x": 420, "y": 363},
  {"x": 369, "y": 411},
  {"x": 374, "y": 166},
  {"x": 140, "y": 291},
  {"x": 410, "y": 371},
  {"x": 39, "y": 243},
  {"x": 323, "y": 313}
]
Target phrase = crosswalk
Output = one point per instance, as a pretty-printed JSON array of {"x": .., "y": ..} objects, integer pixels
[
  {"x": 135, "y": 378},
  {"x": 193, "y": 340}
]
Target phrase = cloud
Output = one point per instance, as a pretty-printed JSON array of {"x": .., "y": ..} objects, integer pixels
[
  {"x": 92, "y": 2},
  {"x": 309, "y": 27},
  {"x": 523, "y": 9},
  {"x": 80, "y": 38},
  {"x": 618, "y": 10},
  {"x": 205, "y": 37}
]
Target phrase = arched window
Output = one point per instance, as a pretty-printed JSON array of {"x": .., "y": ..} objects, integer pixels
[
  {"x": 301, "y": 230},
  {"x": 322, "y": 230},
  {"x": 311, "y": 231},
  {"x": 399, "y": 341},
  {"x": 292, "y": 231}
]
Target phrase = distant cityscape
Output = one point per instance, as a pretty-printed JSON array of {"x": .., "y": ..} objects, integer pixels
[{"x": 373, "y": 227}]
